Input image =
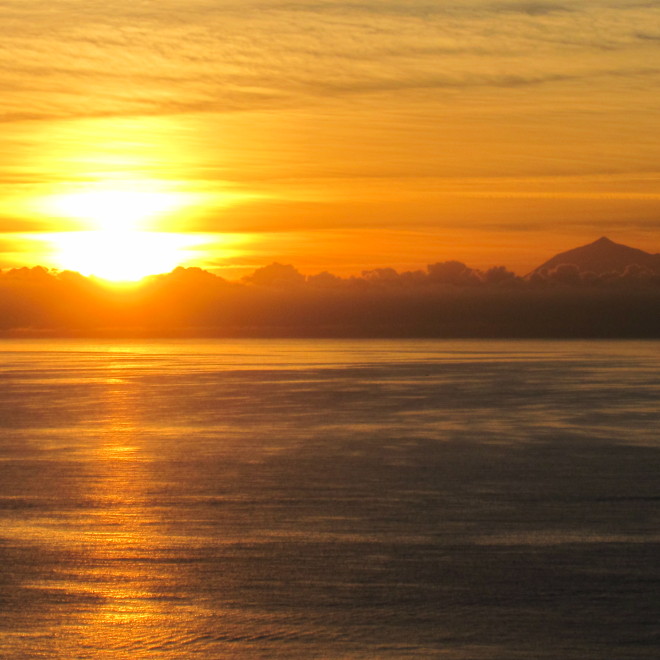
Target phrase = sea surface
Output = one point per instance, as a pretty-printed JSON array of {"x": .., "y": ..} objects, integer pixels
[{"x": 329, "y": 499}]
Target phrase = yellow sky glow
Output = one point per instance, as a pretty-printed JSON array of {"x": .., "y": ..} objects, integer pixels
[{"x": 494, "y": 133}]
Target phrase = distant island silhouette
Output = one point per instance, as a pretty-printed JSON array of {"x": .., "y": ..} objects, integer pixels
[
  {"x": 603, "y": 289},
  {"x": 604, "y": 256}
]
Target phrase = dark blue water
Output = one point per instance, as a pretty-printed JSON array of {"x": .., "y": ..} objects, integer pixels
[{"x": 329, "y": 499}]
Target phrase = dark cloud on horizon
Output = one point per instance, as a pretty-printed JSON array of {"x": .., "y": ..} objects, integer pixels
[{"x": 448, "y": 299}]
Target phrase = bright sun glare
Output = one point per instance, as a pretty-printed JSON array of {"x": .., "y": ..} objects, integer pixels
[
  {"x": 121, "y": 244},
  {"x": 115, "y": 210},
  {"x": 122, "y": 256}
]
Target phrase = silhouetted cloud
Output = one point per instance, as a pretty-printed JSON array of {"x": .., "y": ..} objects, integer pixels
[{"x": 275, "y": 275}]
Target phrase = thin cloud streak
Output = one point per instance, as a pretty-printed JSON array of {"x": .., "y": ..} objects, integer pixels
[{"x": 123, "y": 59}]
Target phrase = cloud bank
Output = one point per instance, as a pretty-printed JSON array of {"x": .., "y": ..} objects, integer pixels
[{"x": 448, "y": 299}]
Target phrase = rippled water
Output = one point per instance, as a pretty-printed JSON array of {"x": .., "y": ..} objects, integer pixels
[{"x": 329, "y": 499}]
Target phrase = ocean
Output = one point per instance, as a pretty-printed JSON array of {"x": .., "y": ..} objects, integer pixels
[{"x": 331, "y": 499}]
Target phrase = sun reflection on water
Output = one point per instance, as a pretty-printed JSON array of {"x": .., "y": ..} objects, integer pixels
[{"x": 123, "y": 575}]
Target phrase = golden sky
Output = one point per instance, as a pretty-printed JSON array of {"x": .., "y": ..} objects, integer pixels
[{"x": 138, "y": 135}]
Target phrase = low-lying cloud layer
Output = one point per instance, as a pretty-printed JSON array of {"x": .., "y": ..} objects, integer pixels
[{"x": 448, "y": 299}]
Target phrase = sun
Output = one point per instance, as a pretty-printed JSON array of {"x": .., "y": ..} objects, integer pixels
[
  {"x": 117, "y": 209},
  {"x": 120, "y": 240},
  {"x": 122, "y": 256}
]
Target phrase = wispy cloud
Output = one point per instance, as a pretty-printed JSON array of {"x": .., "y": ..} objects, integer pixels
[{"x": 221, "y": 56}]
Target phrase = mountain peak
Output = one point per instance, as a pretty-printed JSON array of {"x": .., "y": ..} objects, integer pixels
[{"x": 603, "y": 256}]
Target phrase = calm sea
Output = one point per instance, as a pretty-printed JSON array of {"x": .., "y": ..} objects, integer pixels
[{"x": 329, "y": 499}]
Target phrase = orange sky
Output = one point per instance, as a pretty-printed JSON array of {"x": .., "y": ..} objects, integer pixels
[{"x": 338, "y": 136}]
